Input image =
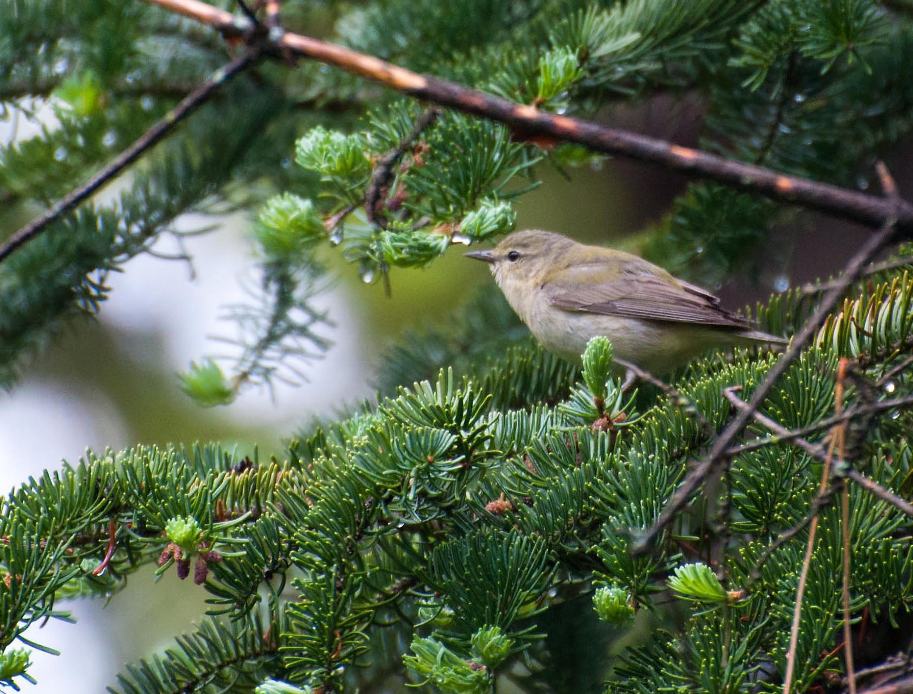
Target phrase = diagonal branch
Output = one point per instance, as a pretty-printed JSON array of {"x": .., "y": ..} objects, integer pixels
[
  {"x": 842, "y": 468},
  {"x": 790, "y": 435},
  {"x": 871, "y": 210},
  {"x": 718, "y": 452},
  {"x": 384, "y": 169},
  {"x": 146, "y": 141}
]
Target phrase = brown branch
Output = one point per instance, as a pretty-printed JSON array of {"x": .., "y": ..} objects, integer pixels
[
  {"x": 842, "y": 467},
  {"x": 803, "y": 578},
  {"x": 873, "y": 269},
  {"x": 109, "y": 552},
  {"x": 837, "y": 440},
  {"x": 845, "y": 596},
  {"x": 879, "y": 491},
  {"x": 147, "y": 140},
  {"x": 526, "y": 120},
  {"x": 383, "y": 170},
  {"x": 813, "y": 449},
  {"x": 792, "y": 434},
  {"x": 839, "y": 434},
  {"x": 872, "y": 245}
]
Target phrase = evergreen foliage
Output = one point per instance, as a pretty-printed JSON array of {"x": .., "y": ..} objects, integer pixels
[{"x": 436, "y": 533}]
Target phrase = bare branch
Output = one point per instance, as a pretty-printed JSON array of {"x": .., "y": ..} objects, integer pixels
[
  {"x": 720, "y": 448},
  {"x": 384, "y": 169},
  {"x": 790, "y": 435},
  {"x": 879, "y": 491},
  {"x": 526, "y": 120},
  {"x": 147, "y": 140},
  {"x": 842, "y": 468}
]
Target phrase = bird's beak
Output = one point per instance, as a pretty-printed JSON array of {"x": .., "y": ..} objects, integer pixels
[{"x": 484, "y": 256}]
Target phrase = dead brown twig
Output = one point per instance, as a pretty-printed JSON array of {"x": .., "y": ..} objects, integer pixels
[
  {"x": 723, "y": 442},
  {"x": 846, "y": 415},
  {"x": 842, "y": 468}
]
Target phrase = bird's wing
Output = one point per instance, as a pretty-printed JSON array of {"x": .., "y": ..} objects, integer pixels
[{"x": 636, "y": 290}]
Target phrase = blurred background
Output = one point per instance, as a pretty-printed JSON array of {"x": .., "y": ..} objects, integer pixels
[{"x": 111, "y": 382}]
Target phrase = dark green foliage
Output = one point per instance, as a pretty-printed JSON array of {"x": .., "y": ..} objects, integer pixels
[
  {"x": 813, "y": 88},
  {"x": 454, "y": 532},
  {"x": 235, "y": 656},
  {"x": 447, "y": 505}
]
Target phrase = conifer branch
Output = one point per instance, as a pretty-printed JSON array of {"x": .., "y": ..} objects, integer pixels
[
  {"x": 526, "y": 120},
  {"x": 673, "y": 394},
  {"x": 817, "y": 503},
  {"x": 842, "y": 467},
  {"x": 384, "y": 170},
  {"x": 791, "y": 435},
  {"x": 718, "y": 452},
  {"x": 146, "y": 141}
]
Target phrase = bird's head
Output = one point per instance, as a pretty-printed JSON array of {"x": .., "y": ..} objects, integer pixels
[{"x": 524, "y": 255}]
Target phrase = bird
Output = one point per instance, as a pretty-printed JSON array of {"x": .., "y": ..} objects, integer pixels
[{"x": 568, "y": 292}]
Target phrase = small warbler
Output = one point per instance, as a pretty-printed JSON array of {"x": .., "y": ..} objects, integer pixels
[{"x": 567, "y": 292}]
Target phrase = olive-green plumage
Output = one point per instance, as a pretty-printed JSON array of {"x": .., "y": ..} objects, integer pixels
[{"x": 567, "y": 292}]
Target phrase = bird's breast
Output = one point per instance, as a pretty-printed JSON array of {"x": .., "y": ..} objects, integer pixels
[{"x": 656, "y": 346}]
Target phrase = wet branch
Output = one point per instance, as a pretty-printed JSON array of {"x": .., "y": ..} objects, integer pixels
[
  {"x": 146, "y": 141},
  {"x": 527, "y": 120}
]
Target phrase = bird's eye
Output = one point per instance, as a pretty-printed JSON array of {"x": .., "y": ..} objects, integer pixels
[{"x": 513, "y": 256}]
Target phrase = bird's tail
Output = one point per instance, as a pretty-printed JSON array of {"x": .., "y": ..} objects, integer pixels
[{"x": 759, "y": 336}]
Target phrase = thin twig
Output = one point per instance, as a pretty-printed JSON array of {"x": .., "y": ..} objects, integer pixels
[
  {"x": 839, "y": 434},
  {"x": 248, "y": 12},
  {"x": 813, "y": 449},
  {"x": 873, "y": 269},
  {"x": 383, "y": 170},
  {"x": 872, "y": 245},
  {"x": 776, "y": 123},
  {"x": 896, "y": 369},
  {"x": 526, "y": 120},
  {"x": 842, "y": 468},
  {"x": 148, "y": 139},
  {"x": 803, "y": 577},
  {"x": 879, "y": 491},
  {"x": 792, "y": 434},
  {"x": 847, "y": 552},
  {"x": 109, "y": 552},
  {"x": 898, "y": 662}
]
